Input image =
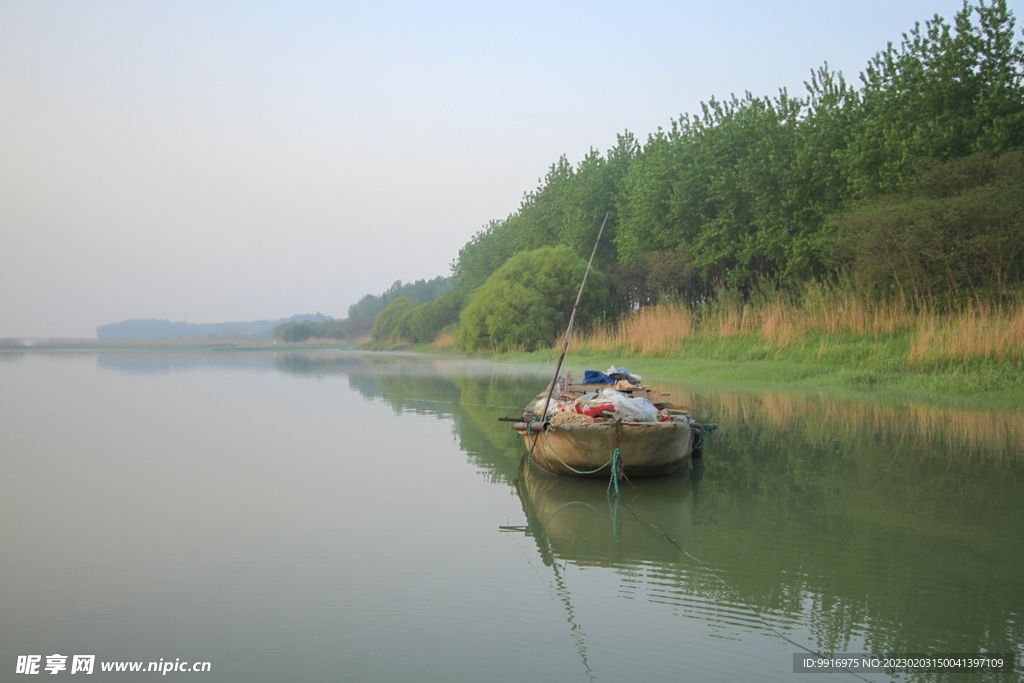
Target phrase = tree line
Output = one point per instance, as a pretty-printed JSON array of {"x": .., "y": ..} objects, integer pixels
[
  {"x": 910, "y": 185},
  {"x": 166, "y": 330},
  {"x": 363, "y": 314}
]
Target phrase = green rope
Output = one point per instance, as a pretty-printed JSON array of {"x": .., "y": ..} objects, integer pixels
[
  {"x": 705, "y": 434},
  {"x": 617, "y": 469},
  {"x": 567, "y": 465},
  {"x": 616, "y": 462},
  {"x": 614, "y": 498}
]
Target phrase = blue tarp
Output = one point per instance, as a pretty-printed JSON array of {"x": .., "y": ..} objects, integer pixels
[{"x": 596, "y": 377}]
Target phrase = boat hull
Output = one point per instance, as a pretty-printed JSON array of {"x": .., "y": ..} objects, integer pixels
[{"x": 646, "y": 449}]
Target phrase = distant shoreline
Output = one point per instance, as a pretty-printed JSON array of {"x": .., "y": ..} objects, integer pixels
[{"x": 16, "y": 345}]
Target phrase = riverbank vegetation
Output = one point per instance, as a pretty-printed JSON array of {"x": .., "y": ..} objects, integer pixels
[
  {"x": 363, "y": 315},
  {"x": 978, "y": 347},
  {"x": 893, "y": 333},
  {"x": 879, "y": 225}
]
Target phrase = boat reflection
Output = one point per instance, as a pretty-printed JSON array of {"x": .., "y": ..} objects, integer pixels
[{"x": 576, "y": 520}]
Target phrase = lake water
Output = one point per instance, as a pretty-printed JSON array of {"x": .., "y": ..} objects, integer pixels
[{"x": 309, "y": 516}]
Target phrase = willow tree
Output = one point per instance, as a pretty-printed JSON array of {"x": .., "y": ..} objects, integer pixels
[{"x": 527, "y": 302}]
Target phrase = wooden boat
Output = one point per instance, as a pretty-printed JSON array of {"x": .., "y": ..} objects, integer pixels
[
  {"x": 607, "y": 447},
  {"x": 593, "y": 448}
]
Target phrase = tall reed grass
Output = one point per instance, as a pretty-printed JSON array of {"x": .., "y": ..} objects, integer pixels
[
  {"x": 827, "y": 318},
  {"x": 978, "y": 331},
  {"x": 655, "y": 330},
  {"x": 820, "y": 308},
  {"x": 444, "y": 340}
]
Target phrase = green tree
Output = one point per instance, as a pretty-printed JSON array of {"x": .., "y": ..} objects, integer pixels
[
  {"x": 744, "y": 191},
  {"x": 949, "y": 91},
  {"x": 427, "y": 321},
  {"x": 393, "y": 322},
  {"x": 421, "y": 290},
  {"x": 567, "y": 207},
  {"x": 528, "y": 301},
  {"x": 299, "y": 332},
  {"x": 956, "y": 233}
]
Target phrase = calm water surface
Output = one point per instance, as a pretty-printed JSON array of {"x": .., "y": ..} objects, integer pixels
[{"x": 331, "y": 516}]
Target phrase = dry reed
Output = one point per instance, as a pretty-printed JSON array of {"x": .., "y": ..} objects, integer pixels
[
  {"x": 787, "y": 320},
  {"x": 445, "y": 340},
  {"x": 978, "y": 332},
  {"x": 651, "y": 330}
]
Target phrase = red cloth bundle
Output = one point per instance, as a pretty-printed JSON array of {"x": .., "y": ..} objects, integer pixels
[{"x": 595, "y": 409}]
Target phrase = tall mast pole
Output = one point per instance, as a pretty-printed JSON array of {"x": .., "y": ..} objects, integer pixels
[{"x": 572, "y": 320}]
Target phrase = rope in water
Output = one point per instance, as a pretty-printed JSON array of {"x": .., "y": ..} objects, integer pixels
[
  {"x": 617, "y": 496},
  {"x": 617, "y": 468},
  {"x": 613, "y": 493},
  {"x": 616, "y": 462},
  {"x": 706, "y": 433}
]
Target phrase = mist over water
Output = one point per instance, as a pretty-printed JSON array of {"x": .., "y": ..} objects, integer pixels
[{"x": 362, "y": 517}]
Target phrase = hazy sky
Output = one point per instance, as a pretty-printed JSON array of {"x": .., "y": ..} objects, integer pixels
[{"x": 239, "y": 161}]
